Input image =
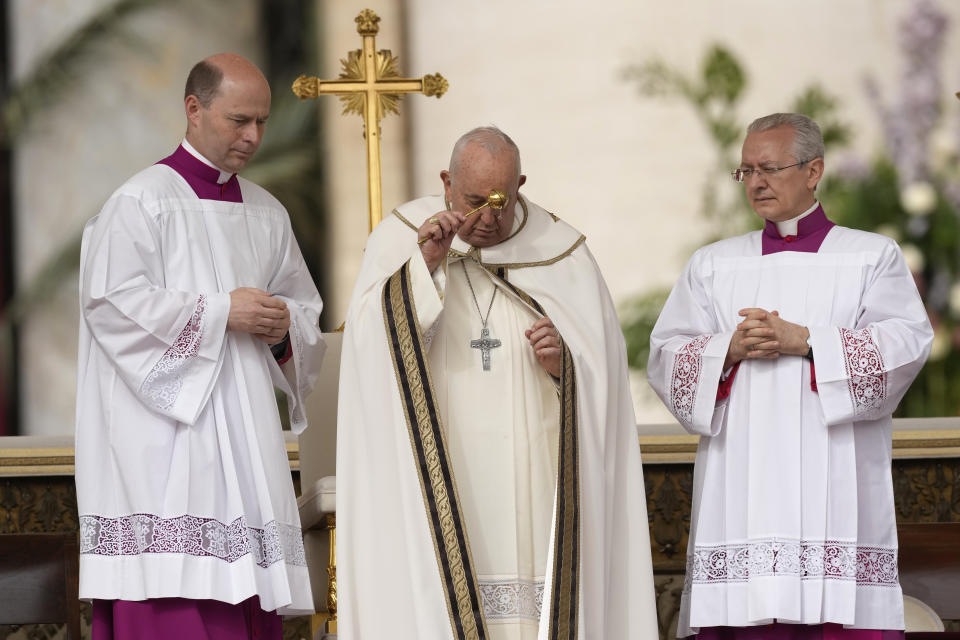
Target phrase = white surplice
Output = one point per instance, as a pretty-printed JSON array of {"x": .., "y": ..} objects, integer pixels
[
  {"x": 793, "y": 514},
  {"x": 183, "y": 482},
  {"x": 501, "y": 430}
]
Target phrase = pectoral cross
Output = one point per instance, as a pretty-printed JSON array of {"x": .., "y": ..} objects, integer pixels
[
  {"x": 485, "y": 344},
  {"x": 370, "y": 86}
]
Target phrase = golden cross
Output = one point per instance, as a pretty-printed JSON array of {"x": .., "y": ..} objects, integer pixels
[{"x": 370, "y": 86}]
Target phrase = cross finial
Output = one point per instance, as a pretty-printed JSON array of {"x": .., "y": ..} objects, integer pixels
[
  {"x": 368, "y": 23},
  {"x": 370, "y": 85}
]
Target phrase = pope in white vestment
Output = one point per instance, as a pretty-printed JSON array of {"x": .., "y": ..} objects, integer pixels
[
  {"x": 480, "y": 493},
  {"x": 183, "y": 483},
  {"x": 793, "y": 515}
]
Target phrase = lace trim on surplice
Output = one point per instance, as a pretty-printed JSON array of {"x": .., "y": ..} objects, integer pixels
[
  {"x": 192, "y": 536},
  {"x": 162, "y": 385},
  {"x": 804, "y": 559},
  {"x": 866, "y": 376},
  {"x": 686, "y": 377}
]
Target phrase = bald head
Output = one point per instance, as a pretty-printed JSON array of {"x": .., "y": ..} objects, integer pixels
[
  {"x": 205, "y": 76},
  {"x": 483, "y": 160},
  {"x": 490, "y": 139},
  {"x": 227, "y": 102}
]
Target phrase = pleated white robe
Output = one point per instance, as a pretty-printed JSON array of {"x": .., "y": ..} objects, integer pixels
[
  {"x": 183, "y": 484},
  {"x": 793, "y": 515}
]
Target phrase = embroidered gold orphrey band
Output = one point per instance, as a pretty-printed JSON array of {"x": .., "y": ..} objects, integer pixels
[
  {"x": 437, "y": 483},
  {"x": 433, "y": 466},
  {"x": 564, "y": 601}
]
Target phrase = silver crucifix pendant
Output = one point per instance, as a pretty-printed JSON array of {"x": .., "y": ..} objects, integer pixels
[{"x": 485, "y": 344}]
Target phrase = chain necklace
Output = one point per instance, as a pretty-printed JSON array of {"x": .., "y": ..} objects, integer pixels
[{"x": 485, "y": 343}]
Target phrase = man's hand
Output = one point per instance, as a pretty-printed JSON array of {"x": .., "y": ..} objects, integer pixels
[
  {"x": 436, "y": 235},
  {"x": 258, "y": 313},
  {"x": 545, "y": 340},
  {"x": 764, "y": 334}
]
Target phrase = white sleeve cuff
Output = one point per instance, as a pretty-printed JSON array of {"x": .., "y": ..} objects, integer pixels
[{"x": 427, "y": 290}]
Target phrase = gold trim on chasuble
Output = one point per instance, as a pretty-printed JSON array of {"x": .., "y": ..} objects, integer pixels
[
  {"x": 437, "y": 483},
  {"x": 564, "y": 604}
]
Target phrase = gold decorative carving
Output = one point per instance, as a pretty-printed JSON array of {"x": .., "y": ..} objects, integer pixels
[
  {"x": 36, "y": 505},
  {"x": 669, "y": 493},
  {"x": 435, "y": 85},
  {"x": 306, "y": 87},
  {"x": 330, "y": 522},
  {"x": 927, "y": 490},
  {"x": 368, "y": 23},
  {"x": 387, "y": 103}
]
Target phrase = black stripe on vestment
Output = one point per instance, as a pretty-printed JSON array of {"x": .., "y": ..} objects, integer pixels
[{"x": 428, "y": 423}]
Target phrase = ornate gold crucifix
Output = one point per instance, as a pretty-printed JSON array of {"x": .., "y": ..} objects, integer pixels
[{"x": 370, "y": 86}]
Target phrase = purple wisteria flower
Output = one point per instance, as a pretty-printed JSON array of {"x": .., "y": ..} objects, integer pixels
[{"x": 907, "y": 123}]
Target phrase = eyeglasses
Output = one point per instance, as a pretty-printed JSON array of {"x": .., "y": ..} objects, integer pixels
[{"x": 741, "y": 175}]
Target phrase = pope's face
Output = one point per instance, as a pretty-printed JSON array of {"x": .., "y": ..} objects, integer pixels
[
  {"x": 781, "y": 195},
  {"x": 230, "y": 130},
  {"x": 479, "y": 172}
]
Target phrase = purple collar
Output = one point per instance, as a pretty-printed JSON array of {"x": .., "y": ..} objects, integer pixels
[
  {"x": 203, "y": 178},
  {"x": 810, "y": 234}
]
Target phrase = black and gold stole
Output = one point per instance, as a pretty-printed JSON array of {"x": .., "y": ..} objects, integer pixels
[{"x": 440, "y": 497}]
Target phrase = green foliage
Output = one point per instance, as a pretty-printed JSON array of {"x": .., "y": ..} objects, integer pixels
[
  {"x": 638, "y": 316},
  {"x": 723, "y": 77},
  {"x": 815, "y": 103}
]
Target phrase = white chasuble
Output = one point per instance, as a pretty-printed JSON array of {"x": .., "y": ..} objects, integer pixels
[
  {"x": 793, "y": 515},
  {"x": 498, "y": 503},
  {"x": 504, "y": 419},
  {"x": 183, "y": 483}
]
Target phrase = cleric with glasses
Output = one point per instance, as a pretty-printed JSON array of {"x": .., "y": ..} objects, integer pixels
[{"x": 787, "y": 350}]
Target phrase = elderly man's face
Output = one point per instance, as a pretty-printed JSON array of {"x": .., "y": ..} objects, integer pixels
[
  {"x": 477, "y": 174},
  {"x": 229, "y": 132},
  {"x": 781, "y": 195}
]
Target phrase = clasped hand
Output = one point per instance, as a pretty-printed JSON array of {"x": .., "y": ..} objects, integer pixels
[
  {"x": 436, "y": 235},
  {"x": 764, "y": 334},
  {"x": 545, "y": 340},
  {"x": 258, "y": 313}
]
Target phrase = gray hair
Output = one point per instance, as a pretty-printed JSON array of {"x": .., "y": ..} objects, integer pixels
[
  {"x": 807, "y": 140},
  {"x": 490, "y": 138}
]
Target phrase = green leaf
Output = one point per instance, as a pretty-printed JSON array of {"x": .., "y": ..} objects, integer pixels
[
  {"x": 723, "y": 77},
  {"x": 815, "y": 103},
  {"x": 639, "y": 315}
]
